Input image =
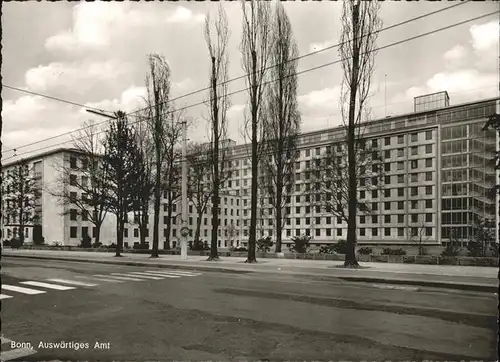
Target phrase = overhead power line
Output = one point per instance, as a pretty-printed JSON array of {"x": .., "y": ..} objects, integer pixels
[
  {"x": 207, "y": 88},
  {"x": 274, "y": 80}
]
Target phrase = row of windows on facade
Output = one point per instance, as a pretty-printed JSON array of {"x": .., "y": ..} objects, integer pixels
[
  {"x": 387, "y": 231},
  {"x": 467, "y": 146},
  {"x": 474, "y": 130}
]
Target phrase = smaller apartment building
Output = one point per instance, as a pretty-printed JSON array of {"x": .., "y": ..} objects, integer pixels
[{"x": 435, "y": 184}]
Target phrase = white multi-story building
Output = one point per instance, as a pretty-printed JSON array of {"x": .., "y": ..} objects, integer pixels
[{"x": 437, "y": 178}]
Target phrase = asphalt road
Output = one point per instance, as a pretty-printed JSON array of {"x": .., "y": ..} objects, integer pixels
[{"x": 179, "y": 315}]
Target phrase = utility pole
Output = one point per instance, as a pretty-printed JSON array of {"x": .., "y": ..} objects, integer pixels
[{"x": 184, "y": 200}]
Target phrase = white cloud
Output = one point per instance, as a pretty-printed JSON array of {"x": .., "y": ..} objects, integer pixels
[
  {"x": 455, "y": 53},
  {"x": 185, "y": 85},
  {"x": 84, "y": 76},
  {"x": 131, "y": 99},
  {"x": 184, "y": 15},
  {"x": 485, "y": 36},
  {"x": 320, "y": 100},
  {"x": 94, "y": 25}
]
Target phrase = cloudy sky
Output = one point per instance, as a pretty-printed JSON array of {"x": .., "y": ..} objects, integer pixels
[{"x": 95, "y": 54}]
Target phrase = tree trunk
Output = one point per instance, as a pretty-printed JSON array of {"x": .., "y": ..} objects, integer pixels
[
  {"x": 214, "y": 254},
  {"x": 350, "y": 257},
  {"x": 119, "y": 235},
  {"x": 97, "y": 235},
  {"x": 198, "y": 228},
  {"x": 154, "y": 251},
  {"x": 253, "y": 202},
  {"x": 169, "y": 221},
  {"x": 279, "y": 196}
]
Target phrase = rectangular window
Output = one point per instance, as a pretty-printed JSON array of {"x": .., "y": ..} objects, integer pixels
[
  {"x": 401, "y": 232},
  {"x": 428, "y": 148},
  {"x": 414, "y": 177},
  {"x": 328, "y": 232},
  {"x": 339, "y": 232},
  {"x": 318, "y": 232},
  {"x": 387, "y": 167},
  {"x": 401, "y": 179},
  {"x": 414, "y": 137},
  {"x": 72, "y": 162},
  {"x": 362, "y": 219},
  {"x": 414, "y": 150},
  {"x": 401, "y": 219},
  {"x": 428, "y": 162},
  {"x": 374, "y": 194},
  {"x": 72, "y": 180},
  {"x": 428, "y": 190},
  {"x": 72, "y": 214},
  {"x": 362, "y": 232},
  {"x": 85, "y": 231},
  {"x": 428, "y": 176},
  {"x": 136, "y": 233},
  {"x": 428, "y": 204},
  {"x": 401, "y": 205},
  {"x": 362, "y": 194},
  {"x": 374, "y": 206},
  {"x": 414, "y": 191},
  {"x": 374, "y": 232},
  {"x": 414, "y": 164},
  {"x": 387, "y": 219},
  {"x": 388, "y": 141},
  {"x": 428, "y": 217},
  {"x": 401, "y": 192},
  {"x": 414, "y": 204},
  {"x": 387, "y": 153},
  {"x": 387, "y": 180},
  {"x": 374, "y": 143},
  {"x": 387, "y": 193},
  {"x": 401, "y": 139},
  {"x": 387, "y": 231},
  {"x": 414, "y": 217},
  {"x": 374, "y": 219},
  {"x": 428, "y": 135},
  {"x": 401, "y": 166},
  {"x": 73, "y": 232},
  {"x": 387, "y": 205},
  {"x": 428, "y": 231}
]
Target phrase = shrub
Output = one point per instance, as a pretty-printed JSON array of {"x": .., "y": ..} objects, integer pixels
[
  {"x": 300, "y": 244},
  {"x": 56, "y": 243},
  {"x": 97, "y": 244},
  {"x": 40, "y": 240},
  {"x": 341, "y": 247},
  {"x": 451, "y": 249},
  {"x": 494, "y": 250},
  {"x": 365, "y": 250},
  {"x": 264, "y": 244},
  {"x": 16, "y": 243},
  {"x": 137, "y": 246},
  {"x": 389, "y": 251},
  {"x": 86, "y": 242},
  {"x": 327, "y": 249},
  {"x": 240, "y": 248},
  {"x": 475, "y": 248},
  {"x": 6, "y": 243}
]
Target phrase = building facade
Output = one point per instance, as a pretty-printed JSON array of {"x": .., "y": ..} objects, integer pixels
[{"x": 437, "y": 183}]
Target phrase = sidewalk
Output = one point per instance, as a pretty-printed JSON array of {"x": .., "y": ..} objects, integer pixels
[{"x": 446, "y": 276}]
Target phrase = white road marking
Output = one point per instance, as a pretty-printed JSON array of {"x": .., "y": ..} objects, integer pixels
[
  {"x": 5, "y": 340},
  {"x": 149, "y": 275},
  {"x": 100, "y": 279},
  {"x": 48, "y": 286},
  {"x": 14, "y": 288},
  {"x": 390, "y": 286},
  {"x": 74, "y": 282},
  {"x": 188, "y": 274},
  {"x": 119, "y": 278},
  {"x": 130, "y": 275},
  {"x": 5, "y": 296},
  {"x": 16, "y": 353}
]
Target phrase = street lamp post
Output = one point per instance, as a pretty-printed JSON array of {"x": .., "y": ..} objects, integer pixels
[{"x": 184, "y": 229}]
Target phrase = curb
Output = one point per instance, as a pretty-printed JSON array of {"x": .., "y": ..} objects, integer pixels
[
  {"x": 133, "y": 263},
  {"x": 424, "y": 283}
]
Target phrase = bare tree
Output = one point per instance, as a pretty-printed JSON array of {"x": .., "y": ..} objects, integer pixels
[
  {"x": 200, "y": 188},
  {"x": 158, "y": 87},
  {"x": 418, "y": 236},
  {"x": 19, "y": 194},
  {"x": 86, "y": 175},
  {"x": 146, "y": 183},
  {"x": 256, "y": 48},
  {"x": 218, "y": 106},
  {"x": 360, "y": 26},
  {"x": 325, "y": 183},
  {"x": 283, "y": 118},
  {"x": 171, "y": 182},
  {"x": 120, "y": 159}
]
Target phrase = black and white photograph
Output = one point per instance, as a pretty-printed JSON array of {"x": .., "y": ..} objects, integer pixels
[{"x": 250, "y": 180}]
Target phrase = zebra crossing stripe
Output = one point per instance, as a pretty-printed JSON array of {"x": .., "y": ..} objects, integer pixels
[
  {"x": 119, "y": 278},
  {"x": 181, "y": 273},
  {"x": 99, "y": 279},
  {"x": 16, "y": 353},
  {"x": 30, "y": 291},
  {"x": 147, "y": 275},
  {"x": 48, "y": 286},
  {"x": 4, "y": 296},
  {"x": 136, "y": 276},
  {"x": 74, "y": 282}
]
